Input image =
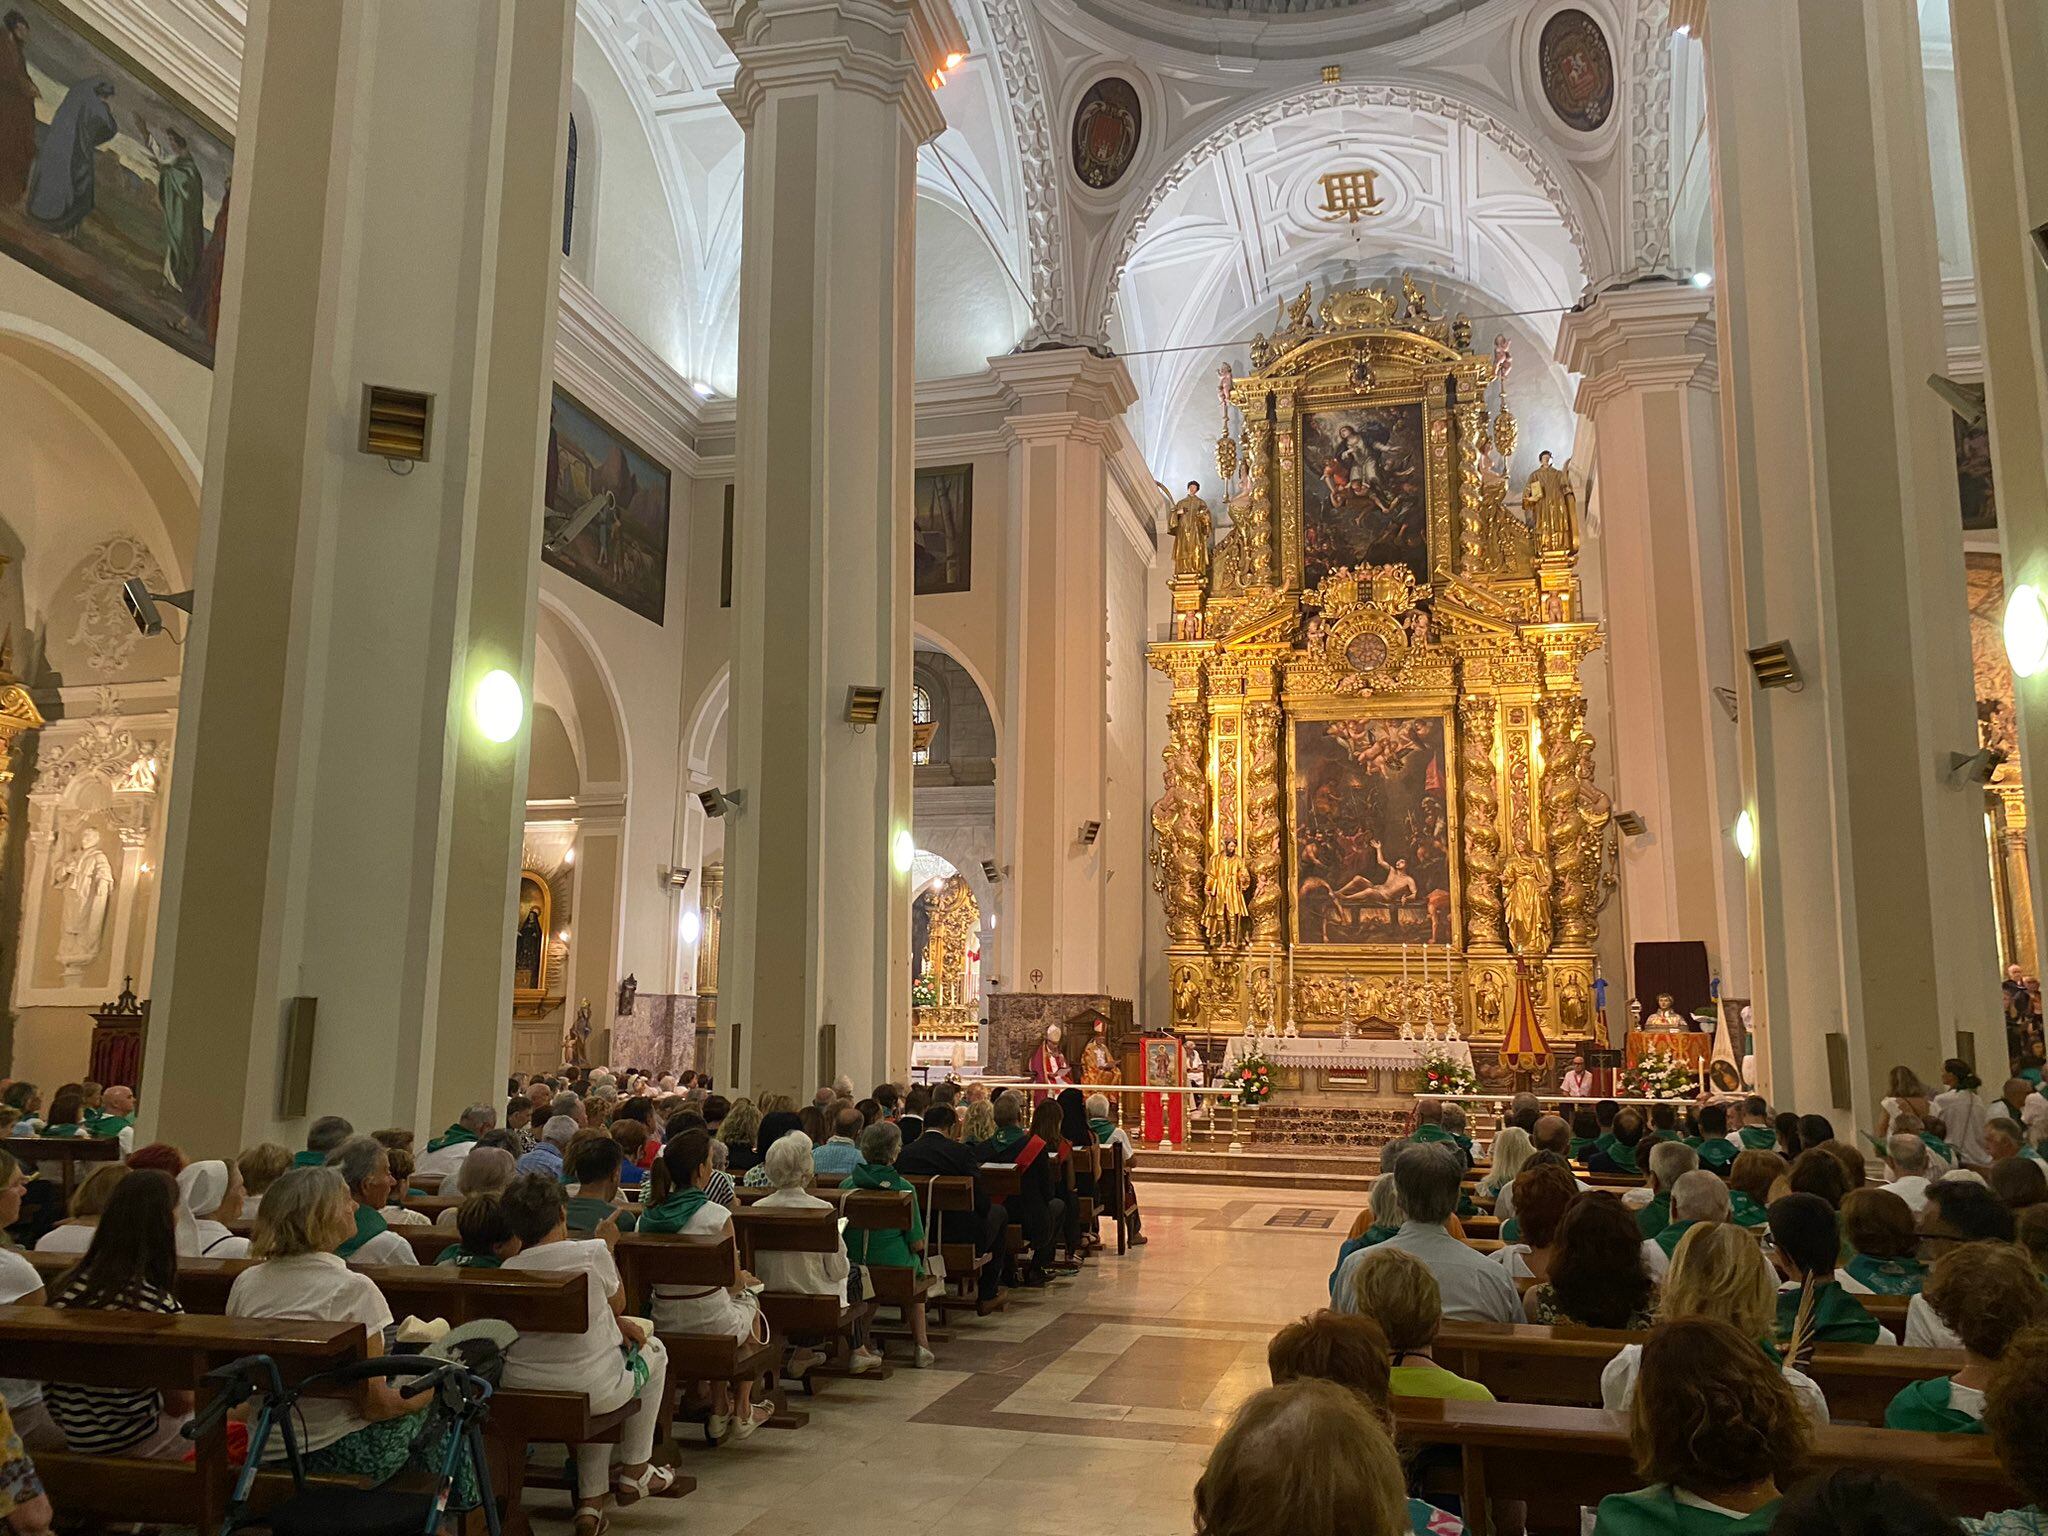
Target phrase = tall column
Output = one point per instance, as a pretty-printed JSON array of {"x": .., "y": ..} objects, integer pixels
[
  {"x": 834, "y": 102},
  {"x": 2001, "y": 51},
  {"x": 340, "y": 829},
  {"x": 1646, "y": 361},
  {"x": 1870, "y": 905},
  {"x": 1062, "y": 407}
]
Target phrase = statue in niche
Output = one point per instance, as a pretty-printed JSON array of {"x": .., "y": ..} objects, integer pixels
[
  {"x": 1187, "y": 993},
  {"x": 1489, "y": 1003},
  {"x": 87, "y": 881},
  {"x": 1229, "y": 879},
  {"x": 1189, "y": 524},
  {"x": 576, "y": 1039},
  {"x": 1553, "y": 508},
  {"x": 1525, "y": 894}
]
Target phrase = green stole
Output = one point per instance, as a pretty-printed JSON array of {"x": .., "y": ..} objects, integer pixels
[
  {"x": 1924, "y": 1406},
  {"x": 1623, "y": 1157},
  {"x": 1103, "y": 1129},
  {"x": 1429, "y": 1132},
  {"x": 107, "y": 1127},
  {"x": 368, "y": 1225},
  {"x": 1758, "y": 1138},
  {"x": 1656, "y": 1216},
  {"x": 1655, "y": 1512},
  {"x": 1510, "y": 1230},
  {"x": 309, "y": 1159},
  {"x": 454, "y": 1136},
  {"x": 462, "y": 1258},
  {"x": 1745, "y": 1212},
  {"x": 1581, "y": 1146},
  {"x": 1940, "y": 1148},
  {"x": 1668, "y": 1238},
  {"x": 674, "y": 1213},
  {"x": 1838, "y": 1317},
  {"x": 1006, "y": 1137},
  {"x": 62, "y": 1130},
  {"x": 1716, "y": 1153},
  {"x": 1887, "y": 1277}
]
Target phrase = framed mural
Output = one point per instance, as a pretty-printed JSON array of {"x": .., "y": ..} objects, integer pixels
[
  {"x": 621, "y": 549},
  {"x": 1578, "y": 70},
  {"x": 110, "y": 183},
  {"x": 530, "y": 936},
  {"x": 1364, "y": 491},
  {"x": 942, "y": 529},
  {"x": 1372, "y": 853},
  {"x": 1973, "y": 476},
  {"x": 1107, "y": 125}
]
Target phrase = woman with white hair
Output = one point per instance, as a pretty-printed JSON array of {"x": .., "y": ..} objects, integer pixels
[
  {"x": 808, "y": 1274},
  {"x": 209, "y": 1197},
  {"x": 1384, "y": 1217},
  {"x": 1109, "y": 1134},
  {"x": 486, "y": 1171},
  {"x": 366, "y": 1170},
  {"x": 1512, "y": 1150}
]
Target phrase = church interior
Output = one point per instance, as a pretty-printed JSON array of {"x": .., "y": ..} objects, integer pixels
[{"x": 1218, "y": 682}]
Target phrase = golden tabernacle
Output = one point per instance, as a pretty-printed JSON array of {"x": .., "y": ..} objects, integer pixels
[{"x": 1379, "y": 793}]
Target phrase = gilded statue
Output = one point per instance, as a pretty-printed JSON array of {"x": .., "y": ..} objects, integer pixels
[
  {"x": 1571, "y": 1007},
  {"x": 1553, "y": 508},
  {"x": 1189, "y": 524},
  {"x": 1488, "y": 1003},
  {"x": 1525, "y": 896},
  {"x": 1262, "y": 996},
  {"x": 1226, "y": 910},
  {"x": 1187, "y": 993}
]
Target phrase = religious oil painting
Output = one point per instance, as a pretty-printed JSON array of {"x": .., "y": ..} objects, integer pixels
[
  {"x": 110, "y": 184},
  {"x": 1106, "y": 128},
  {"x": 1372, "y": 849},
  {"x": 942, "y": 528},
  {"x": 1364, "y": 495},
  {"x": 530, "y": 935},
  {"x": 1577, "y": 69},
  {"x": 610, "y": 498},
  {"x": 1973, "y": 475}
]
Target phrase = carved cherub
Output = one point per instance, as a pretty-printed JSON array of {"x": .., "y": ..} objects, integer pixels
[{"x": 1297, "y": 312}]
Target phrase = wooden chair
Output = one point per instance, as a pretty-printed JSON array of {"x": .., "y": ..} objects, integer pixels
[{"x": 696, "y": 1262}]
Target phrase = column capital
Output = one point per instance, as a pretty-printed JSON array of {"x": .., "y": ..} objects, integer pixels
[
  {"x": 889, "y": 49},
  {"x": 1645, "y": 335},
  {"x": 1056, "y": 391}
]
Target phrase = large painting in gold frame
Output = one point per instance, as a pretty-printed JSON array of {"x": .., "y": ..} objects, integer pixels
[
  {"x": 1364, "y": 490},
  {"x": 1372, "y": 859}
]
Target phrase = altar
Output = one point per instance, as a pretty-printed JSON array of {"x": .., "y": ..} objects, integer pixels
[
  {"x": 1693, "y": 1048},
  {"x": 1333, "y": 1064}
]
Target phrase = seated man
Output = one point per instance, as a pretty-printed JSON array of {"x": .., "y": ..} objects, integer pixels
[
  {"x": 1473, "y": 1288},
  {"x": 322, "y": 1137},
  {"x": 1577, "y": 1083},
  {"x": 1670, "y": 1161},
  {"x": 2003, "y": 1138},
  {"x": 546, "y": 1156},
  {"x": 1756, "y": 1133},
  {"x": 1615, "y": 1152},
  {"x": 941, "y": 1150},
  {"x": 841, "y": 1153},
  {"x": 1696, "y": 1197},
  {"x": 1717, "y": 1152},
  {"x": 445, "y": 1152},
  {"x": 1906, "y": 1159},
  {"x": 115, "y": 1119},
  {"x": 1959, "y": 1211}
]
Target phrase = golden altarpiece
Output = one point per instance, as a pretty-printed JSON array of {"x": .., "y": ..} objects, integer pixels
[{"x": 1377, "y": 767}]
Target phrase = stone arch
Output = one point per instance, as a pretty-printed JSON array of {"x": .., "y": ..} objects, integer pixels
[{"x": 584, "y": 697}]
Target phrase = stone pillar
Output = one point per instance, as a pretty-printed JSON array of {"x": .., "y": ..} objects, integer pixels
[
  {"x": 834, "y": 101},
  {"x": 1870, "y": 905},
  {"x": 1646, "y": 361},
  {"x": 340, "y": 828},
  {"x": 1062, "y": 407},
  {"x": 2001, "y": 51}
]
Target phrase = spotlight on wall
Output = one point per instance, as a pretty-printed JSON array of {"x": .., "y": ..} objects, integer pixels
[
  {"x": 1090, "y": 830},
  {"x": 141, "y": 604},
  {"x": 989, "y": 872},
  {"x": 1974, "y": 767},
  {"x": 2026, "y": 630},
  {"x": 1775, "y": 666},
  {"x": 676, "y": 877},
  {"x": 1725, "y": 697},
  {"x": 717, "y": 802},
  {"x": 863, "y": 703},
  {"x": 1966, "y": 400},
  {"x": 1703, "y": 279},
  {"x": 691, "y": 928},
  {"x": 1630, "y": 823},
  {"x": 2041, "y": 243}
]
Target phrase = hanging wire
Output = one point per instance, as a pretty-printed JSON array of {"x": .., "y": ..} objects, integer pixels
[
  {"x": 946, "y": 165},
  {"x": 1245, "y": 341}
]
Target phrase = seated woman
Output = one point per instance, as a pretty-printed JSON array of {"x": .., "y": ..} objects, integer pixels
[
  {"x": 1716, "y": 1432},
  {"x": 210, "y": 1193},
  {"x": 1512, "y": 1148},
  {"x": 365, "y": 1168},
  {"x": 737, "y": 1130},
  {"x": 67, "y": 1113},
  {"x": 978, "y": 1126},
  {"x": 1076, "y": 1133},
  {"x": 21, "y": 1284},
  {"x": 399, "y": 1163},
  {"x": 1883, "y": 1245},
  {"x": 1040, "y": 1205},
  {"x": 307, "y": 1216},
  {"x": 879, "y": 1145},
  {"x": 1381, "y": 1219},
  {"x": 1597, "y": 1275},
  {"x": 1806, "y": 1243},
  {"x": 592, "y": 1163},
  {"x": 1543, "y": 1194},
  {"x": 486, "y": 1171},
  {"x": 1305, "y": 1459},
  {"x": 2015, "y": 1408},
  {"x": 1751, "y": 1179},
  {"x": 74, "y": 1233},
  {"x": 789, "y": 1172},
  {"x": 599, "y": 1361},
  {"x": 260, "y": 1167},
  {"x": 681, "y": 1205},
  {"x": 1718, "y": 1272},
  {"x": 775, "y": 1124},
  {"x": 1816, "y": 1171},
  {"x": 1987, "y": 1294},
  {"x": 131, "y": 1266},
  {"x": 1350, "y": 1352},
  {"x": 1108, "y": 1133},
  {"x": 483, "y": 1238},
  {"x": 1396, "y": 1290}
]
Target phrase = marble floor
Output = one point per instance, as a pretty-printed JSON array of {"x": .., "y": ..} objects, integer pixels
[{"x": 1097, "y": 1397}]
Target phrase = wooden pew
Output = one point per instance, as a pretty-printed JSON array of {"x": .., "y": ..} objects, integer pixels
[
  {"x": 694, "y": 1262},
  {"x": 798, "y": 1316},
  {"x": 895, "y": 1285},
  {"x": 64, "y": 1153},
  {"x": 1557, "y": 1459},
  {"x": 1107, "y": 1164},
  {"x": 429, "y": 1206},
  {"x": 940, "y": 1195}
]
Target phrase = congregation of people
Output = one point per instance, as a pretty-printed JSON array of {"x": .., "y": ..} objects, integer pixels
[{"x": 548, "y": 1184}]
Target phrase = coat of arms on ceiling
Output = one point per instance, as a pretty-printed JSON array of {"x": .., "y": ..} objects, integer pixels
[
  {"x": 1106, "y": 128},
  {"x": 1578, "y": 70}
]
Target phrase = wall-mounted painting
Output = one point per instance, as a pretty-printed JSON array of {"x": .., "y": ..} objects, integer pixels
[
  {"x": 943, "y": 529},
  {"x": 1364, "y": 499},
  {"x": 607, "y": 509},
  {"x": 530, "y": 935},
  {"x": 1107, "y": 124},
  {"x": 1372, "y": 843},
  {"x": 1973, "y": 475},
  {"x": 1578, "y": 70},
  {"x": 110, "y": 183}
]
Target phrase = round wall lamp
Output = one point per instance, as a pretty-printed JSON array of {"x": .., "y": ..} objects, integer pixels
[
  {"x": 498, "y": 706},
  {"x": 2026, "y": 630},
  {"x": 1745, "y": 835},
  {"x": 903, "y": 850}
]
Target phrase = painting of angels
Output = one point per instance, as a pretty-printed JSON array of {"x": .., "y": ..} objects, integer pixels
[
  {"x": 1372, "y": 838},
  {"x": 1364, "y": 496}
]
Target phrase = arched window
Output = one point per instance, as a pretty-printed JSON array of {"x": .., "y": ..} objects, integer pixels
[
  {"x": 569, "y": 190},
  {"x": 921, "y": 714}
]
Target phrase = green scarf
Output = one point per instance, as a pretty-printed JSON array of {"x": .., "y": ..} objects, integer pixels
[
  {"x": 1668, "y": 1238},
  {"x": 1655, "y": 1512},
  {"x": 674, "y": 1213},
  {"x": 107, "y": 1127},
  {"x": 456, "y": 1135},
  {"x": 1745, "y": 1212},
  {"x": 1006, "y": 1137},
  {"x": 1716, "y": 1153},
  {"x": 1940, "y": 1148},
  {"x": 1103, "y": 1129},
  {"x": 1623, "y": 1157},
  {"x": 62, "y": 1130},
  {"x": 1888, "y": 1277},
  {"x": 1925, "y": 1406},
  {"x": 461, "y": 1258},
  {"x": 368, "y": 1225},
  {"x": 309, "y": 1159},
  {"x": 1838, "y": 1317},
  {"x": 1656, "y": 1216},
  {"x": 1427, "y": 1132},
  {"x": 1510, "y": 1230},
  {"x": 1758, "y": 1138}
]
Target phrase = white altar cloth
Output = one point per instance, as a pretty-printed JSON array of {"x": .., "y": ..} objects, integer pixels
[{"x": 1330, "y": 1053}]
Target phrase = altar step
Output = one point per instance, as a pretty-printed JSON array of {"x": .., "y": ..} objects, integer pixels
[{"x": 1345, "y": 1170}]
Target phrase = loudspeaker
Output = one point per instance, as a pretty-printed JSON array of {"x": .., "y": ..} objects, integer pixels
[
  {"x": 1838, "y": 1068},
  {"x": 828, "y": 1053},
  {"x": 295, "y": 1057},
  {"x": 1966, "y": 1048}
]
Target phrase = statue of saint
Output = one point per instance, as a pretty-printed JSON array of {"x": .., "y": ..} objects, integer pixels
[
  {"x": 1571, "y": 1007},
  {"x": 1225, "y": 914},
  {"x": 1188, "y": 522},
  {"x": 1187, "y": 993},
  {"x": 1049, "y": 1063},
  {"x": 576, "y": 1038},
  {"x": 87, "y": 881},
  {"x": 1666, "y": 1020},
  {"x": 1488, "y": 1003},
  {"x": 1525, "y": 893},
  {"x": 1553, "y": 508},
  {"x": 1262, "y": 995},
  {"x": 1098, "y": 1064}
]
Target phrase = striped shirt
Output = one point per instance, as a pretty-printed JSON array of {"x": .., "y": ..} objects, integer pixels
[{"x": 105, "y": 1420}]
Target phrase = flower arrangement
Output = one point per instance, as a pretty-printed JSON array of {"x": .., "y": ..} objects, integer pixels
[
  {"x": 924, "y": 993},
  {"x": 1253, "y": 1079},
  {"x": 1444, "y": 1073},
  {"x": 1659, "y": 1075}
]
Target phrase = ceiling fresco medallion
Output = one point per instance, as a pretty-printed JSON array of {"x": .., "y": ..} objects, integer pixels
[
  {"x": 1106, "y": 128},
  {"x": 1578, "y": 70}
]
